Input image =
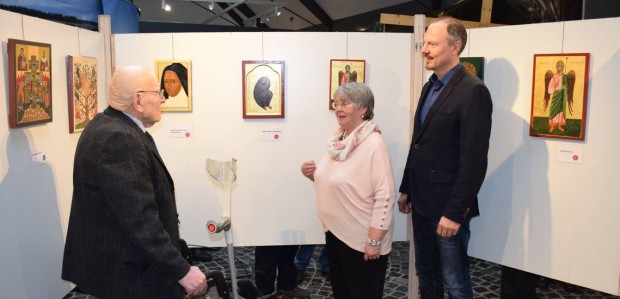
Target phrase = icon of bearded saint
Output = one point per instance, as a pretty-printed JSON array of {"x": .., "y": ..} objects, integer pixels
[
  {"x": 559, "y": 89},
  {"x": 262, "y": 94}
]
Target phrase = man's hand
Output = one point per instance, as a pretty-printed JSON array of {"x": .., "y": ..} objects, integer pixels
[
  {"x": 447, "y": 227},
  {"x": 403, "y": 204},
  {"x": 194, "y": 282},
  {"x": 308, "y": 168}
]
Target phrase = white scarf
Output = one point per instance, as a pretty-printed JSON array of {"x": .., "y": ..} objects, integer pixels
[{"x": 339, "y": 150}]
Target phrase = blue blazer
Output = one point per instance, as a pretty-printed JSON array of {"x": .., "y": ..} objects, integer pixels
[
  {"x": 123, "y": 235},
  {"x": 447, "y": 161}
]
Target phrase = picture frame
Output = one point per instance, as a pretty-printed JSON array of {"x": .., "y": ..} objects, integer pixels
[
  {"x": 82, "y": 91},
  {"x": 559, "y": 95},
  {"x": 338, "y": 74},
  {"x": 474, "y": 65},
  {"x": 175, "y": 78},
  {"x": 263, "y": 89},
  {"x": 30, "y": 83}
]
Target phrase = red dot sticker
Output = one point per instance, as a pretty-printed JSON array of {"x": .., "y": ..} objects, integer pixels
[
  {"x": 187, "y": 134},
  {"x": 575, "y": 157},
  {"x": 276, "y": 136}
]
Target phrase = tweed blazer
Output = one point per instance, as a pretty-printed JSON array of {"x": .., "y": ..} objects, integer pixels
[
  {"x": 123, "y": 234},
  {"x": 447, "y": 159}
]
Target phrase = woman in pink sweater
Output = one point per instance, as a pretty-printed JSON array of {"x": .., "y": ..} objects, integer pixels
[{"x": 355, "y": 196}]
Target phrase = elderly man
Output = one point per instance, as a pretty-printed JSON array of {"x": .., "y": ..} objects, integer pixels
[{"x": 123, "y": 235}]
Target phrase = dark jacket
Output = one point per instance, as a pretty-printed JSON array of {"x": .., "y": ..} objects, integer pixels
[
  {"x": 447, "y": 160},
  {"x": 123, "y": 235}
]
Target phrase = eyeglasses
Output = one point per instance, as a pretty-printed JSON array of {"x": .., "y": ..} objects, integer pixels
[
  {"x": 160, "y": 93},
  {"x": 337, "y": 104}
]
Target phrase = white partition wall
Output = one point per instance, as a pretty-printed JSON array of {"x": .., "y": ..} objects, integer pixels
[
  {"x": 549, "y": 217},
  {"x": 272, "y": 203},
  {"x": 35, "y": 200}
]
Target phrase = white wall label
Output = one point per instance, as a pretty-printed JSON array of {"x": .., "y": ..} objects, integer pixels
[
  {"x": 569, "y": 153},
  {"x": 180, "y": 131},
  {"x": 271, "y": 134}
]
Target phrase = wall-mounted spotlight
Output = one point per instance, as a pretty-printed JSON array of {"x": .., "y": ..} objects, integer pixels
[
  {"x": 211, "y": 5},
  {"x": 278, "y": 12}
]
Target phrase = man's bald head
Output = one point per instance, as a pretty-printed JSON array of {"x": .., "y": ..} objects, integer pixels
[{"x": 126, "y": 82}]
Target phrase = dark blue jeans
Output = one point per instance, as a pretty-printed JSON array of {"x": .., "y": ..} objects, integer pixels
[
  {"x": 441, "y": 263},
  {"x": 304, "y": 255}
]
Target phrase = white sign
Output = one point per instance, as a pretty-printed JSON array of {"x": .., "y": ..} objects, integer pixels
[
  {"x": 270, "y": 134},
  {"x": 180, "y": 131},
  {"x": 569, "y": 153}
]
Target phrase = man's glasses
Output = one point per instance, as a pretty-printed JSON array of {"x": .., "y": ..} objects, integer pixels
[
  {"x": 159, "y": 93},
  {"x": 337, "y": 104}
]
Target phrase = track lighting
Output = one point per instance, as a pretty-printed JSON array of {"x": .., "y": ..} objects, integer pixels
[
  {"x": 278, "y": 12},
  {"x": 211, "y": 5}
]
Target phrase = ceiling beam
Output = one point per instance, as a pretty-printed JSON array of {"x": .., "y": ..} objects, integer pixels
[
  {"x": 405, "y": 20},
  {"x": 485, "y": 13},
  {"x": 245, "y": 10},
  {"x": 232, "y": 13},
  {"x": 320, "y": 14},
  {"x": 225, "y": 10}
]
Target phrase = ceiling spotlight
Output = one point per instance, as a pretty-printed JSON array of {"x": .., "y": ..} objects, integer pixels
[
  {"x": 165, "y": 6},
  {"x": 267, "y": 19},
  {"x": 278, "y": 12},
  {"x": 211, "y": 5}
]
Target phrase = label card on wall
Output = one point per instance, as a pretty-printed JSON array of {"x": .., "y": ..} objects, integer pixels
[
  {"x": 569, "y": 153},
  {"x": 180, "y": 131},
  {"x": 270, "y": 134}
]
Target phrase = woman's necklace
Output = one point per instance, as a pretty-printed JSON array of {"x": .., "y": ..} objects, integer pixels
[{"x": 344, "y": 135}]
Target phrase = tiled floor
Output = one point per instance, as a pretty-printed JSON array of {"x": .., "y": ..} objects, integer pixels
[{"x": 485, "y": 276}]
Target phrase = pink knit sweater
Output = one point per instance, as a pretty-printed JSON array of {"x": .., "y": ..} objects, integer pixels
[{"x": 357, "y": 193}]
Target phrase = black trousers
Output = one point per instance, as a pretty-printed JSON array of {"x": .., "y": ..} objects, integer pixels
[
  {"x": 517, "y": 284},
  {"x": 351, "y": 276},
  {"x": 275, "y": 263}
]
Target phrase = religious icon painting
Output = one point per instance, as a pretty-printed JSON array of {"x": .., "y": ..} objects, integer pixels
[
  {"x": 474, "y": 65},
  {"x": 30, "y": 83},
  {"x": 82, "y": 80},
  {"x": 344, "y": 71},
  {"x": 263, "y": 89},
  {"x": 559, "y": 95},
  {"x": 176, "y": 83}
]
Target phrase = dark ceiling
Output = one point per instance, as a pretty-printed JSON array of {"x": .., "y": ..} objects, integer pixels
[{"x": 335, "y": 15}]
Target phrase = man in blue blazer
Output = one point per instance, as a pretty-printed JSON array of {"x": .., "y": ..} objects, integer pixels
[
  {"x": 123, "y": 235},
  {"x": 447, "y": 163}
]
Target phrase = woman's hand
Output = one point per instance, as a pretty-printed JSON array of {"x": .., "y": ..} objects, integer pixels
[
  {"x": 308, "y": 168},
  {"x": 372, "y": 252}
]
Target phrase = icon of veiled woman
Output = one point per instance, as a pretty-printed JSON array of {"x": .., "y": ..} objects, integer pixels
[
  {"x": 262, "y": 94},
  {"x": 559, "y": 89}
]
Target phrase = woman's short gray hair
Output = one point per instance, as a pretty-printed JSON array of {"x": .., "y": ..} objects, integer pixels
[{"x": 360, "y": 94}]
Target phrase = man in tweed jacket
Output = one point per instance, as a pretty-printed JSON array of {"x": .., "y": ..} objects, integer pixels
[{"x": 123, "y": 235}]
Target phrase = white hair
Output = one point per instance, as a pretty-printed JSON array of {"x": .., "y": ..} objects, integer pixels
[{"x": 125, "y": 83}]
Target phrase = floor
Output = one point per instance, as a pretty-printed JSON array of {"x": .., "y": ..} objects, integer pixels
[{"x": 485, "y": 276}]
